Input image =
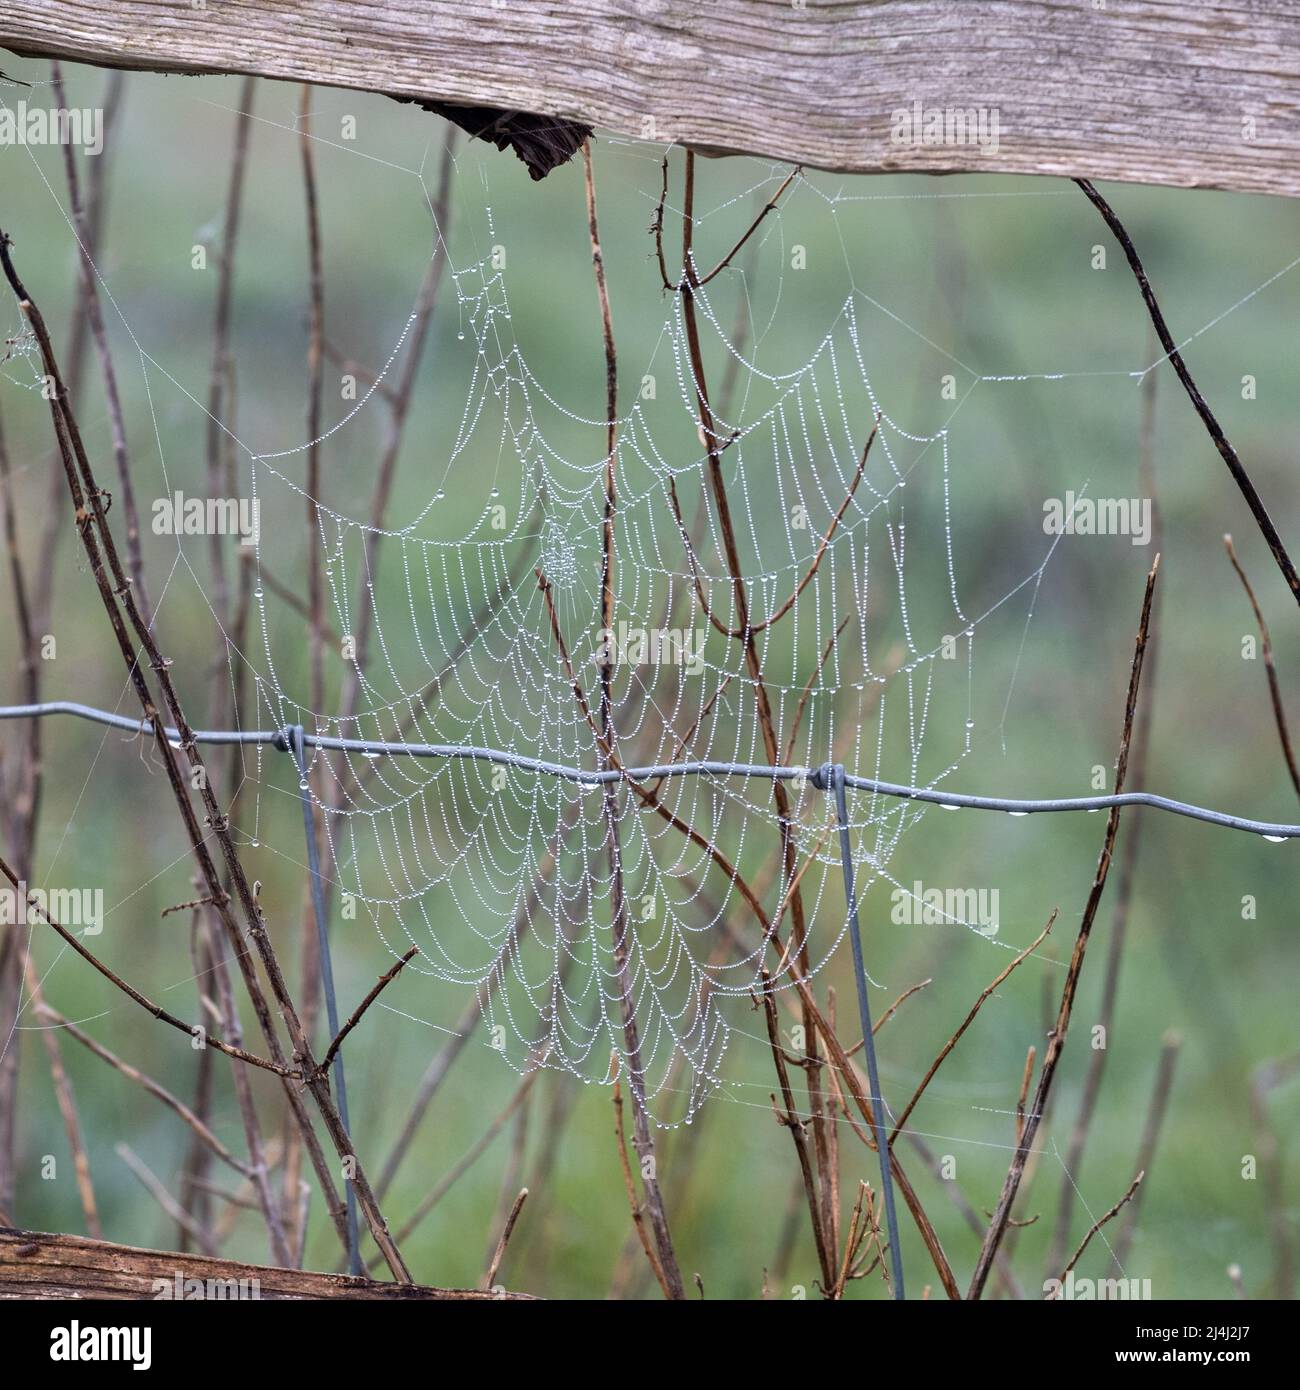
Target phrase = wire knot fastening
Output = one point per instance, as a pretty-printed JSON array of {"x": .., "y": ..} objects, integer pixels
[{"x": 823, "y": 777}]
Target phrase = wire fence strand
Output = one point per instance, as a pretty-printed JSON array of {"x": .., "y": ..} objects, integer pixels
[{"x": 281, "y": 739}]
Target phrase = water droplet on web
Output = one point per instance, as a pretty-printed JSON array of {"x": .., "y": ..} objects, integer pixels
[
  {"x": 1017, "y": 813},
  {"x": 303, "y": 785},
  {"x": 439, "y": 495},
  {"x": 257, "y": 594},
  {"x": 1277, "y": 839},
  {"x": 970, "y": 723},
  {"x": 461, "y": 336},
  {"x": 255, "y": 842},
  {"x": 496, "y": 492}
]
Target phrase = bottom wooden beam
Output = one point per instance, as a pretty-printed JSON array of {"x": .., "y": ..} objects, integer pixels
[{"x": 37, "y": 1265}]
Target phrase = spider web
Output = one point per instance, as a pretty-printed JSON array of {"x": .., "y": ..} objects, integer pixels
[{"x": 501, "y": 877}]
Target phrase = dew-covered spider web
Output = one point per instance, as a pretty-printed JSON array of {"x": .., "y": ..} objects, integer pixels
[
  {"x": 502, "y": 877},
  {"x": 470, "y": 615}
]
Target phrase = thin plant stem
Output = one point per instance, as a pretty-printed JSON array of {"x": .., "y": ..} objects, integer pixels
[
  {"x": 620, "y": 920},
  {"x": 67, "y": 1102},
  {"x": 964, "y": 1025},
  {"x": 154, "y": 1088},
  {"x": 1229, "y": 455},
  {"x": 1056, "y": 1039},
  {"x": 1099, "y": 1223},
  {"x": 154, "y": 1186},
  {"x": 494, "y": 1267},
  {"x": 114, "y": 590},
  {"x": 1098, "y": 1057},
  {"x": 1266, "y": 651},
  {"x": 381, "y": 984},
  {"x": 95, "y": 318},
  {"x": 1170, "y": 1047}
]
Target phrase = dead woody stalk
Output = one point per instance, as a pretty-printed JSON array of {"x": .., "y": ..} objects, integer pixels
[{"x": 116, "y": 594}]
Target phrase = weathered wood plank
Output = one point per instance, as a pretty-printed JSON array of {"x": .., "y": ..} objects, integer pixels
[
  {"x": 34, "y": 1265},
  {"x": 1197, "y": 93}
]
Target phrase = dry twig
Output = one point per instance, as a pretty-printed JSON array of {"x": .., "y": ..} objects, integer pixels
[
  {"x": 1056, "y": 1039},
  {"x": 1099, "y": 1223}
]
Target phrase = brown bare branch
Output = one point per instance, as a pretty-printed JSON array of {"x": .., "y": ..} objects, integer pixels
[
  {"x": 1056, "y": 1039},
  {"x": 490, "y": 1278},
  {"x": 965, "y": 1024},
  {"x": 1212, "y": 426},
  {"x": 767, "y": 207},
  {"x": 1266, "y": 650},
  {"x": 154, "y": 1088},
  {"x": 33, "y": 905},
  {"x": 115, "y": 589},
  {"x": 380, "y": 985},
  {"x": 790, "y": 1119},
  {"x": 1099, "y": 1223},
  {"x": 629, "y": 1186}
]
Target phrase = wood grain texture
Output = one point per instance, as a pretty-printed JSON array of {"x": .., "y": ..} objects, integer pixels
[
  {"x": 1143, "y": 91},
  {"x": 34, "y": 1265}
]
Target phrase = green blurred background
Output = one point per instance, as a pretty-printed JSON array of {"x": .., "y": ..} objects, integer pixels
[{"x": 977, "y": 277}]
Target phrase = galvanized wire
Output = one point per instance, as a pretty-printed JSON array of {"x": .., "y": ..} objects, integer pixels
[{"x": 280, "y": 738}]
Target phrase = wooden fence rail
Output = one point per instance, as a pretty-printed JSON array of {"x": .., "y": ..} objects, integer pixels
[
  {"x": 1197, "y": 93},
  {"x": 36, "y": 1265}
]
